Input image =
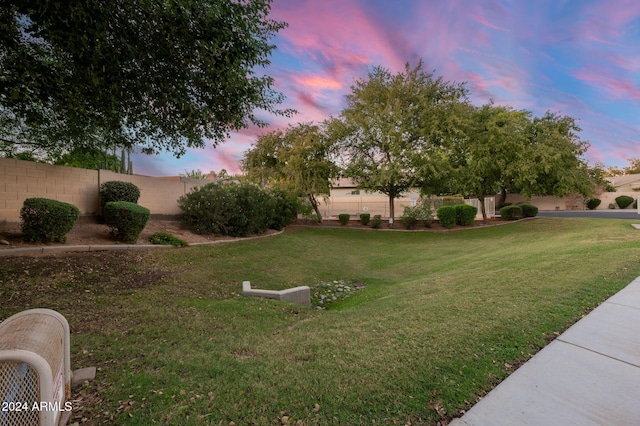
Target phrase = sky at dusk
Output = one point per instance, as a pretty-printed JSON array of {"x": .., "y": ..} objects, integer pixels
[{"x": 575, "y": 57}]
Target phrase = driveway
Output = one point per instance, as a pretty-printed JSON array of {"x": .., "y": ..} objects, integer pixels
[{"x": 601, "y": 214}]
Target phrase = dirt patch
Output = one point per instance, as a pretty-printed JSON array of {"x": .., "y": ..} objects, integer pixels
[{"x": 87, "y": 232}]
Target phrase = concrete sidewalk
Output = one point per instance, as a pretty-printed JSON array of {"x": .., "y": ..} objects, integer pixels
[{"x": 589, "y": 375}]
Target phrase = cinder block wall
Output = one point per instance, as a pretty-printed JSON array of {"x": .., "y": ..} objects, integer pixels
[
  {"x": 158, "y": 195},
  {"x": 20, "y": 180}
]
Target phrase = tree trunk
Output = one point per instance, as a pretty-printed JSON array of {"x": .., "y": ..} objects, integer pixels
[
  {"x": 391, "y": 210},
  {"x": 483, "y": 209},
  {"x": 314, "y": 204},
  {"x": 503, "y": 197}
]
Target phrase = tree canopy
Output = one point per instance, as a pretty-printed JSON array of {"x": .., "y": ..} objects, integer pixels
[
  {"x": 161, "y": 75},
  {"x": 299, "y": 160},
  {"x": 484, "y": 159},
  {"x": 393, "y": 130}
]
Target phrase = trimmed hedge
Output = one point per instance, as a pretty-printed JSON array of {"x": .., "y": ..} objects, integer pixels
[
  {"x": 593, "y": 203},
  {"x": 511, "y": 213},
  {"x": 344, "y": 218},
  {"x": 116, "y": 190},
  {"x": 624, "y": 201},
  {"x": 465, "y": 214},
  {"x": 126, "y": 220},
  {"x": 447, "y": 216},
  {"x": 529, "y": 210},
  {"x": 46, "y": 221},
  {"x": 365, "y": 218},
  {"x": 376, "y": 222}
]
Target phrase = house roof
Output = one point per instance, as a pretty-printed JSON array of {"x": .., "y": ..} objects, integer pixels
[{"x": 618, "y": 181}]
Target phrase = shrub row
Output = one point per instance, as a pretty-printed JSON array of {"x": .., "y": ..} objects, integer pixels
[
  {"x": 45, "y": 220},
  {"x": 518, "y": 211},
  {"x": 236, "y": 209},
  {"x": 460, "y": 214}
]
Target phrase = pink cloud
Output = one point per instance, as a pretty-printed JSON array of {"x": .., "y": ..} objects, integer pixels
[{"x": 616, "y": 86}]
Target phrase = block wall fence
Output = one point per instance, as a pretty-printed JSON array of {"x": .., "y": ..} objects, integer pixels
[{"x": 20, "y": 180}]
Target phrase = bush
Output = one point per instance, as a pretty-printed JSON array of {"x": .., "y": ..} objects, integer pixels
[
  {"x": 465, "y": 214},
  {"x": 593, "y": 203},
  {"x": 511, "y": 213},
  {"x": 344, "y": 218},
  {"x": 286, "y": 209},
  {"x": 376, "y": 223},
  {"x": 447, "y": 216},
  {"x": 126, "y": 220},
  {"x": 624, "y": 201},
  {"x": 529, "y": 210},
  {"x": 409, "y": 217},
  {"x": 164, "y": 238},
  {"x": 612, "y": 206},
  {"x": 116, "y": 190},
  {"x": 365, "y": 218},
  {"x": 45, "y": 220},
  {"x": 425, "y": 214},
  {"x": 237, "y": 210}
]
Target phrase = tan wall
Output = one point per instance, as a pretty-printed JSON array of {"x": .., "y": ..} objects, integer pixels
[
  {"x": 571, "y": 203},
  {"x": 20, "y": 180}
]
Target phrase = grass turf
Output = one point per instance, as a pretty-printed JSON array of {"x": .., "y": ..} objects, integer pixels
[{"x": 442, "y": 319}]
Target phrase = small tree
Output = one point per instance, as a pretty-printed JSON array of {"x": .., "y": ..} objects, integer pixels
[{"x": 299, "y": 160}]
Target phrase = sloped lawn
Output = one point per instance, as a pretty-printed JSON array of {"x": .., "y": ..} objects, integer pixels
[{"x": 440, "y": 320}]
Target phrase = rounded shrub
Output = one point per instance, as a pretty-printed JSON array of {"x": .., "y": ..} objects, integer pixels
[
  {"x": 126, "y": 220},
  {"x": 447, "y": 216},
  {"x": 465, "y": 214},
  {"x": 237, "y": 210},
  {"x": 116, "y": 190},
  {"x": 593, "y": 203},
  {"x": 624, "y": 201},
  {"x": 529, "y": 210},
  {"x": 365, "y": 218},
  {"x": 511, "y": 213},
  {"x": 376, "y": 222},
  {"x": 46, "y": 221},
  {"x": 344, "y": 218}
]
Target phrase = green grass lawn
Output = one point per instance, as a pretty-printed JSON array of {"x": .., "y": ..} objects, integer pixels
[{"x": 442, "y": 319}]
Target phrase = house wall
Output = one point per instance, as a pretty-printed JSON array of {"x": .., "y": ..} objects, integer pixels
[{"x": 20, "y": 180}]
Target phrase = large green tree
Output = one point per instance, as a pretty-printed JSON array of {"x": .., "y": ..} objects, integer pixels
[
  {"x": 485, "y": 158},
  {"x": 299, "y": 160},
  {"x": 552, "y": 162},
  {"x": 163, "y": 75},
  {"x": 394, "y": 130}
]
